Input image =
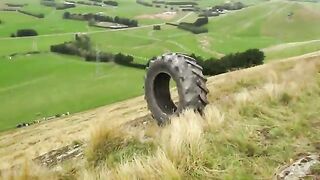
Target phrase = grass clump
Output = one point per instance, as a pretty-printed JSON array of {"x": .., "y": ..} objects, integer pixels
[{"x": 111, "y": 147}]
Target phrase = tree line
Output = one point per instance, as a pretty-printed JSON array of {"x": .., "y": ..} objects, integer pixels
[
  {"x": 230, "y": 62},
  {"x": 111, "y": 3},
  {"x": 195, "y": 27},
  {"x": 181, "y": 3},
  {"x": 101, "y": 18},
  {"x": 15, "y": 5},
  {"x": 24, "y": 32},
  {"x": 229, "y": 6},
  {"x": 38, "y": 15},
  {"x": 144, "y": 3},
  {"x": 58, "y": 6},
  {"x": 82, "y": 47}
]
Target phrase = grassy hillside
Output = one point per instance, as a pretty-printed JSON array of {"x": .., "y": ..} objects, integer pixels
[
  {"x": 264, "y": 25},
  {"x": 253, "y": 125}
]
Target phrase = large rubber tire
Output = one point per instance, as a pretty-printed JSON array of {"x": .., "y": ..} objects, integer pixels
[{"x": 190, "y": 83}]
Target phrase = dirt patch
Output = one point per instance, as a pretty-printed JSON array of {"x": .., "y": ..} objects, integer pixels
[
  {"x": 165, "y": 16},
  {"x": 75, "y": 151},
  {"x": 205, "y": 43},
  {"x": 57, "y": 156}
]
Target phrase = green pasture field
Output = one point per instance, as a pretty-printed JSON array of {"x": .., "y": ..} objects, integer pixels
[
  {"x": 34, "y": 86},
  {"x": 37, "y": 86},
  {"x": 49, "y": 25},
  {"x": 294, "y": 50},
  {"x": 265, "y": 25}
]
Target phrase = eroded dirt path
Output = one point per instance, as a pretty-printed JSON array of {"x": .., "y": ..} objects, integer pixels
[{"x": 30, "y": 142}]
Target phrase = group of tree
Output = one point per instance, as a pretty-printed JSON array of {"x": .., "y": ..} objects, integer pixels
[
  {"x": 158, "y": 2},
  {"x": 48, "y": 3},
  {"x": 219, "y": 9},
  {"x": 144, "y": 3},
  {"x": 24, "y": 32},
  {"x": 181, "y": 3},
  {"x": 15, "y": 5},
  {"x": 197, "y": 27},
  {"x": 58, "y": 6},
  {"x": 82, "y": 47},
  {"x": 229, "y": 6},
  {"x": 64, "y": 6},
  {"x": 89, "y": 3},
  {"x": 111, "y": 3},
  {"x": 38, "y": 15},
  {"x": 230, "y": 62},
  {"x": 101, "y": 18}
]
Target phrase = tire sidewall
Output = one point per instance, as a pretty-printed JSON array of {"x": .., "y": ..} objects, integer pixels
[{"x": 154, "y": 70}]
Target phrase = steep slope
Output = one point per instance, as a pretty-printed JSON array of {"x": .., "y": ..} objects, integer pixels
[{"x": 253, "y": 113}]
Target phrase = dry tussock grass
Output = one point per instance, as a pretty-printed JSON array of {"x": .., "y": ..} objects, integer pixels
[{"x": 28, "y": 171}]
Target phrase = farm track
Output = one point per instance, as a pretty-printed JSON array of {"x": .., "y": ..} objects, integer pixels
[
  {"x": 94, "y": 32},
  {"x": 288, "y": 45},
  {"x": 33, "y": 141},
  {"x": 90, "y": 32}
]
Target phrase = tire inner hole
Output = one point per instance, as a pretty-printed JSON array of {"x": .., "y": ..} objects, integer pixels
[{"x": 162, "y": 85}]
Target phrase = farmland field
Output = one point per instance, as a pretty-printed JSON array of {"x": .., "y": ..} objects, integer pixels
[
  {"x": 42, "y": 85},
  {"x": 39, "y": 85}
]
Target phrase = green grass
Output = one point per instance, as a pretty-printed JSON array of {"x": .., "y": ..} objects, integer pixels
[
  {"x": 51, "y": 24},
  {"x": 47, "y": 84},
  {"x": 291, "y": 51}
]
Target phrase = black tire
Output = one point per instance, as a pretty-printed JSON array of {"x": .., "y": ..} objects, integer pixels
[{"x": 190, "y": 82}]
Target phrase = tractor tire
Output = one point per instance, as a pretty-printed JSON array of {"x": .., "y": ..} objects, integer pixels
[{"x": 190, "y": 83}]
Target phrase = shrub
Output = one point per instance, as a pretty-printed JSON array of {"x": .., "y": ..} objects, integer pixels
[
  {"x": 26, "y": 32},
  {"x": 123, "y": 59},
  {"x": 156, "y": 27},
  {"x": 66, "y": 15}
]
